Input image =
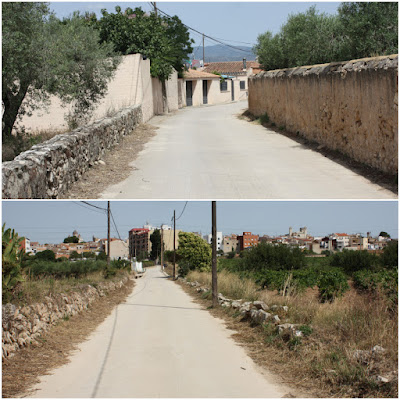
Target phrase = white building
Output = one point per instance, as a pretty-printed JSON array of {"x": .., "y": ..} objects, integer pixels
[{"x": 220, "y": 238}]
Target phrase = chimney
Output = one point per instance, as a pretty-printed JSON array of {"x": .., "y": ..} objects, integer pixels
[{"x": 244, "y": 63}]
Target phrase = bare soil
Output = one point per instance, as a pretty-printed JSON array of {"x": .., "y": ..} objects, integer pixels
[
  {"x": 23, "y": 370},
  {"x": 116, "y": 165},
  {"x": 387, "y": 181}
]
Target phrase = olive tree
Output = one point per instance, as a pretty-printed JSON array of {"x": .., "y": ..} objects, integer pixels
[{"x": 43, "y": 55}]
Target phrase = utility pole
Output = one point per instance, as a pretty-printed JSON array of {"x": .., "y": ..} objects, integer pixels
[
  {"x": 204, "y": 61},
  {"x": 162, "y": 248},
  {"x": 155, "y": 7},
  {"x": 108, "y": 233},
  {"x": 174, "y": 245},
  {"x": 214, "y": 254}
]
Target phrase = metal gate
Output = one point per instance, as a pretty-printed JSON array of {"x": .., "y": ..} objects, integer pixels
[
  {"x": 205, "y": 99},
  {"x": 189, "y": 93}
]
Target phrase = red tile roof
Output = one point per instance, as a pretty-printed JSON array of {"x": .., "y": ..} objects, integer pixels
[
  {"x": 194, "y": 74},
  {"x": 230, "y": 67}
]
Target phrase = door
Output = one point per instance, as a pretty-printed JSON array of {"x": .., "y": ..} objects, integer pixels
[
  {"x": 205, "y": 99},
  {"x": 189, "y": 93},
  {"x": 233, "y": 90}
]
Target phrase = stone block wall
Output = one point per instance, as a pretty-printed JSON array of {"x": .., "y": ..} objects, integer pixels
[
  {"x": 23, "y": 325},
  {"x": 350, "y": 106},
  {"x": 48, "y": 169}
]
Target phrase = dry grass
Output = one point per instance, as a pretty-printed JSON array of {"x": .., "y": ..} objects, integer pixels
[
  {"x": 322, "y": 361},
  {"x": 23, "y": 370},
  {"x": 35, "y": 290}
]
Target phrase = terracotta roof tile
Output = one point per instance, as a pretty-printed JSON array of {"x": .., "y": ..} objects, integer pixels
[
  {"x": 194, "y": 74},
  {"x": 230, "y": 67}
]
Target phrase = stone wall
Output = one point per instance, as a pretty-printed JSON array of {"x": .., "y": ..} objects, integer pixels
[
  {"x": 48, "y": 169},
  {"x": 23, "y": 325},
  {"x": 350, "y": 106}
]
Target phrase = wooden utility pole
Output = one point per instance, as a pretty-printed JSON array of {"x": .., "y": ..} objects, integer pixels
[
  {"x": 174, "y": 245},
  {"x": 154, "y": 4},
  {"x": 108, "y": 233},
  {"x": 162, "y": 248},
  {"x": 214, "y": 254},
  {"x": 204, "y": 61}
]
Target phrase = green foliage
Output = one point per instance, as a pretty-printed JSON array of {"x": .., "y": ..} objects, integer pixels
[
  {"x": 43, "y": 56},
  {"x": 384, "y": 234},
  {"x": 11, "y": 262},
  {"x": 359, "y": 29},
  {"x": 389, "y": 257},
  {"x": 102, "y": 256},
  {"x": 46, "y": 255},
  {"x": 65, "y": 269},
  {"x": 169, "y": 255},
  {"x": 89, "y": 254},
  {"x": 306, "y": 329},
  {"x": 264, "y": 119},
  {"x": 121, "y": 264},
  {"x": 231, "y": 254},
  {"x": 369, "y": 28},
  {"x": 165, "y": 41},
  {"x": 353, "y": 260},
  {"x": 269, "y": 257},
  {"x": 71, "y": 239},
  {"x": 74, "y": 255},
  {"x": 194, "y": 253},
  {"x": 155, "y": 239},
  {"x": 332, "y": 284},
  {"x": 384, "y": 281}
]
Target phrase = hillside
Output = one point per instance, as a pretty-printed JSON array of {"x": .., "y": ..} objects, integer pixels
[{"x": 223, "y": 53}]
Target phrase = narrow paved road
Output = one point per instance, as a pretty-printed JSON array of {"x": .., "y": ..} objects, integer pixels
[
  {"x": 159, "y": 343},
  {"x": 208, "y": 153}
]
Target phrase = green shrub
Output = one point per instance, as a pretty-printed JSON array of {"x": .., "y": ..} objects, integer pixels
[
  {"x": 332, "y": 284},
  {"x": 389, "y": 257},
  {"x": 352, "y": 260},
  {"x": 384, "y": 281},
  {"x": 269, "y": 257},
  {"x": 264, "y": 119}
]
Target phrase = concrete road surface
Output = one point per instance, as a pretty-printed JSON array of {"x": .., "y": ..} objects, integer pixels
[
  {"x": 160, "y": 344},
  {"x": 208, "y": 153}
]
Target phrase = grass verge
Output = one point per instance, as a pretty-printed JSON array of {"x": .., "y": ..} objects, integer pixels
[{"x": 322, "y": 362}]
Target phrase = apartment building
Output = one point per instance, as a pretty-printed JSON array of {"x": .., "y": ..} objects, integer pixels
[{"x": 247, "y": 240}]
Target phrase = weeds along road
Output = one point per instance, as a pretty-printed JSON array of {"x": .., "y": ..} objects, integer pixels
[
  {"x": 159, "y": 344},
  {"x": 207, "y": 152}
]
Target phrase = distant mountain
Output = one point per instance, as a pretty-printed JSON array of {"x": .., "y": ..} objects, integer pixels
[{"x": 220, "y": 52}]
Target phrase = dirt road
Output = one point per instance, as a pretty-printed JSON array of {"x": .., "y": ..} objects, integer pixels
[
  {"x": 159, "y": 343},
  {"x": 209, "y": 153}
]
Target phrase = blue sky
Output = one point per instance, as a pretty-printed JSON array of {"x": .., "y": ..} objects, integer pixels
[
  {"x": 52, "y": 221},
  {"x": 232, "y": 21}
]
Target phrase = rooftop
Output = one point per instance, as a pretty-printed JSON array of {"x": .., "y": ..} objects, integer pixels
[
  {"x": 230, "y": 67},
  {"x": 194, "y": 74}
]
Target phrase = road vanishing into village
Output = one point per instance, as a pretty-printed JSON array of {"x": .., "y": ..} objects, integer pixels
[
  {"x": 159, "y": 343},
  {"x": 209, "y": 153}
]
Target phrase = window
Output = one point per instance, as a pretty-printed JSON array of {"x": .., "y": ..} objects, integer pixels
[
  {"x": 223, "y": 86},
  {"x": 242, "y": 85}
]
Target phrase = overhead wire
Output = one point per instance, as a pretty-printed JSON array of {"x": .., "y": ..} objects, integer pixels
[{"x": 207, "y": 36}]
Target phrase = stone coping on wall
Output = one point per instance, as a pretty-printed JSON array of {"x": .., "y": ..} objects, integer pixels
[
  {"x": 49, "y": 168},
  {"x": 341, "y": 67},
  {"x": 23, "y": 325}
]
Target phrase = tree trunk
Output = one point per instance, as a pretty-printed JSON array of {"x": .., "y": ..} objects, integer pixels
[
  {"x": 164, "y": 96},
  {"x": 12, "y": 104}
]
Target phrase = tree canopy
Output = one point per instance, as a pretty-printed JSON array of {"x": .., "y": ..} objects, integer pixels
[
  {"x": 164, "y": 40},
  {"x": 155, "y": 239},
  {"x": 43, "y": 55},
  {"x": 193, "y": 253},
  {"x": 359, "y": 29},
  {"x": 71, "y": 239}
]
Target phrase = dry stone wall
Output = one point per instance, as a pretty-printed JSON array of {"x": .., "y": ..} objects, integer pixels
[
  {"x": 350, "y": 106},
  {"x": 23, "y": 325},
  {"x": 48, "y": 169}
]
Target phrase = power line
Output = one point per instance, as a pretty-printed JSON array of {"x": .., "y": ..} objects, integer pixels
[
  {"x": 87, "y": 208},
  {"x": 92, "y": 205},
  {"x": 209, "y": 37},
  {"x": 182, "y": 212}
]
